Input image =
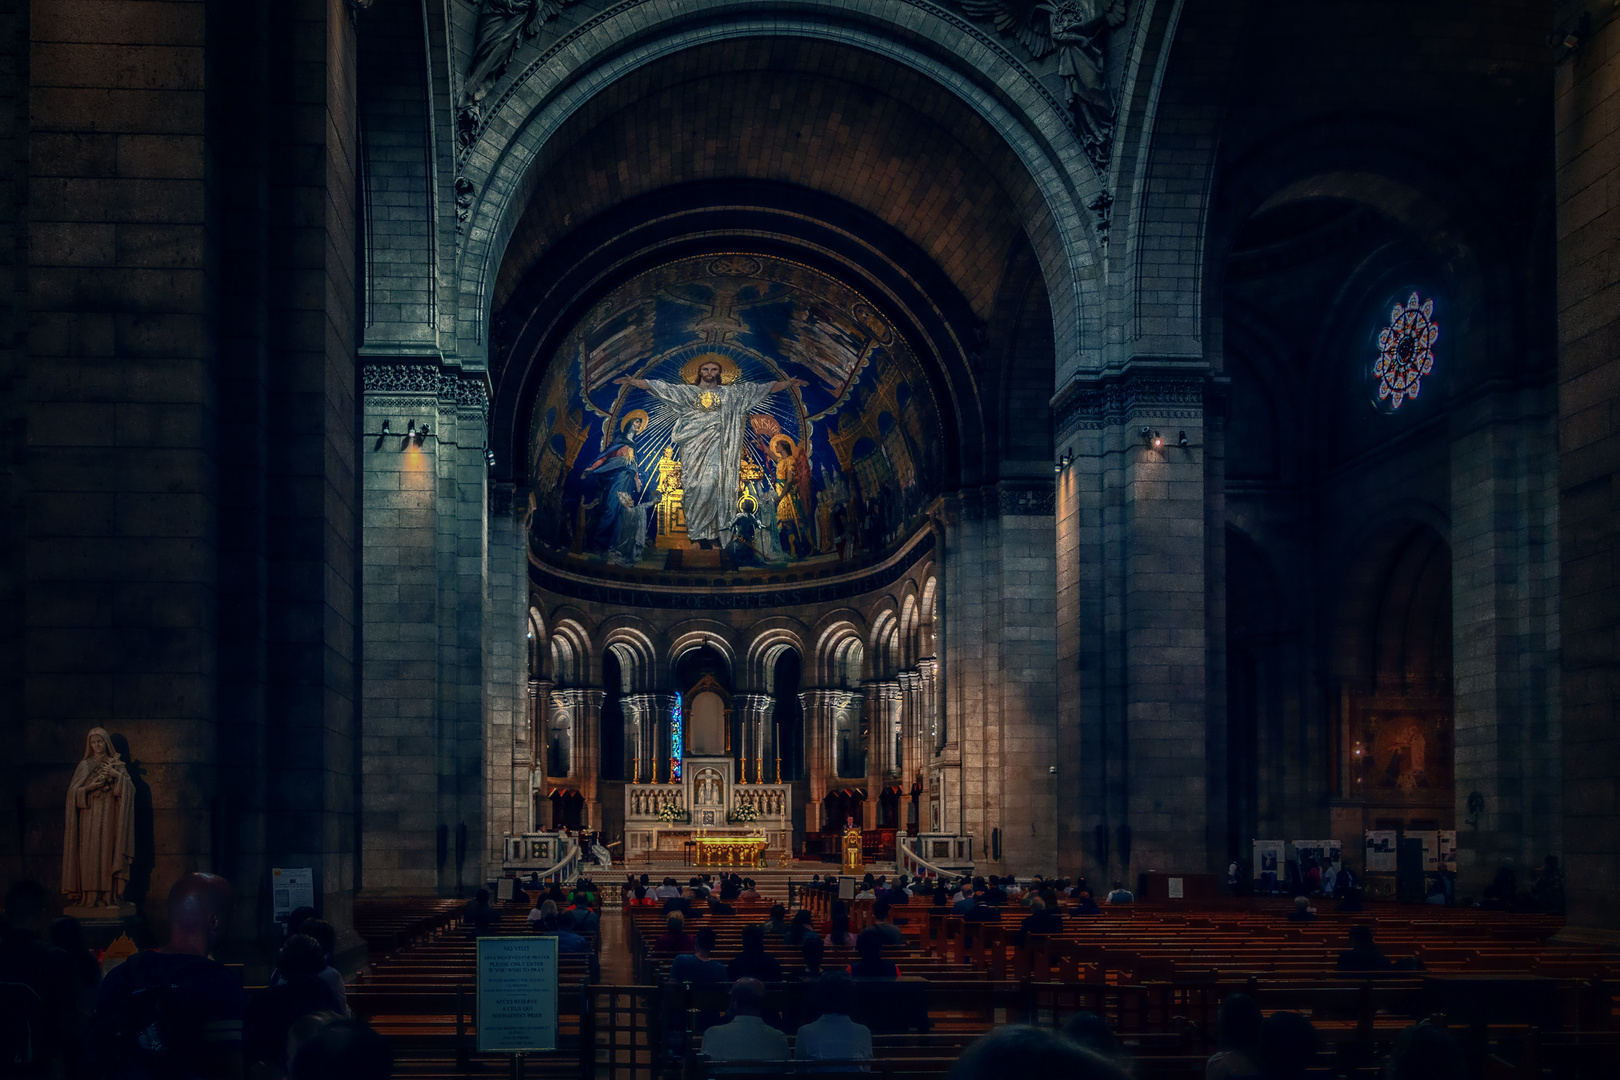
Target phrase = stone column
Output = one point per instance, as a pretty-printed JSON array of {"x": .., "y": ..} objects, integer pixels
[
  {"x": 583, "y": 706},
  {"x": 913, "y": 727},
  {"x": 757, "y": 712},
  {"x": 1505, "y": 634},
  {"x": 822, "y": 711},
  {"x": 640, "y": 734}
]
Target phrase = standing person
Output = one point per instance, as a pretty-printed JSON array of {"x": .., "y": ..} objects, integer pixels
[
  {"x": 195, "y": 1000},
  {"x": 834, "y": 1037}
]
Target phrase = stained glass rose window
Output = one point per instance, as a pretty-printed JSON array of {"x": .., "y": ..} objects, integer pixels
[{"x": 1405, "y": 351}]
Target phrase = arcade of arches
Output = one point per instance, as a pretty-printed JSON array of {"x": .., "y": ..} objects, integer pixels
[{"x": 427, "y": 424}]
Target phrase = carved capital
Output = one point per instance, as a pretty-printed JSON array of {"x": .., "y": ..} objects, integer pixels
[{"x": 1093, "y": 404}]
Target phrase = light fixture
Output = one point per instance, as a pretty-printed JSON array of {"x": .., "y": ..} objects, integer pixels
[
  {"x": 415, "y": 436},
  {"x": 1153, "y": 439},
  {"x": 489, "y": 457},
  {"x": 1181, "y": 440},
  {"x": 381, "y": 435},
  {"x": 1063, "y": 462}
]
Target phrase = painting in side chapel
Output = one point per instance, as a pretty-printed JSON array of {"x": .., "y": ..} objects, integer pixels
[
  {"x": 734, "y": 412},
  {"x": 1405, "y": 752}
]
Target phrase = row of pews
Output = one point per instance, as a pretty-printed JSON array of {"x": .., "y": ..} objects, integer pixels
[{"x": 1527, "y": 1006}]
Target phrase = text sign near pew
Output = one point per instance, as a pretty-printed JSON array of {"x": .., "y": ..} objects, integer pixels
[{"x": 517, "y": 994}]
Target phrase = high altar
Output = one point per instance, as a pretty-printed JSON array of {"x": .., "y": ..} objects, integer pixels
[{"x": 707, "y": 802}]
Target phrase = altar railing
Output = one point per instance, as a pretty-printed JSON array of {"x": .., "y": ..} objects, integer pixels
[{"x": 934, "y": 855}]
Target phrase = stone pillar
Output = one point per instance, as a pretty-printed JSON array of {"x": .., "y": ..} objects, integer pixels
[
  {"x": 913, "y": 727},
  {"x": 1132, "y": 729},
  {"x": 1587, "y": 149},
  {"x": 823, "y": 709},
  {"x": 583, "y": 707},
  {"x": 757, "y": 712},
  {"x": 640, "y": 736},
  {"x": 1504, "y": 569}
]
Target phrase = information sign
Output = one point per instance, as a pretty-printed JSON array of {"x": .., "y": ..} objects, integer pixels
[
  {"x": 847, "y": 888},
  {"x": 517, "y": 994},
  {"x": 291, "y": 890},
  {"x": 1177, "y": 889}
]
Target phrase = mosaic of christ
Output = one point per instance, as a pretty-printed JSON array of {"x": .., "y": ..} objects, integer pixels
[{"x": 741, "y": 406}]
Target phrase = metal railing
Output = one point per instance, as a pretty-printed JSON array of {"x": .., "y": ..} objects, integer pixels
[{"x": 913, "y": 864}]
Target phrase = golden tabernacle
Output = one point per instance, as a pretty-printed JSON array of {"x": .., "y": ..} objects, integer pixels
[
  {"x": 729, "y": 850},
  {"x": 853, "y": 860}
]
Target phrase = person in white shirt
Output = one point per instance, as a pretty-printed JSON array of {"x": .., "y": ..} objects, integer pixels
[
  {"x": 835, "y": 1037},
  {"x": 1121, "y": 895},
  {"x": 747, "y": 1037}
]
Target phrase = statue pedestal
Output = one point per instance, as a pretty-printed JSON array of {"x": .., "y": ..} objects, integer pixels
[{"x": 101, "y": 914}]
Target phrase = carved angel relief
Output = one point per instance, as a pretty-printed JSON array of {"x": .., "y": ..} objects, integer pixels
[
  {"x": 1077, "y": 30},
  {"x": 503, "y": 25}
]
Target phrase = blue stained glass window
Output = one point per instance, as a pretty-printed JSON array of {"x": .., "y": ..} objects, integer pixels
[{"x": 677, "y": 740}]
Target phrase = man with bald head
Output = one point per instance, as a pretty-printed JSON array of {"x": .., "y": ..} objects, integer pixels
[{"x": 176, "y": 1011}]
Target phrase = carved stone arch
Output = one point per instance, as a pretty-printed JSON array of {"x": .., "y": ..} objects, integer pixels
[
  {"x": 631, "y": 640},
  {"x": 770, "y": 638},
  {"x": 538, "y": 646},
  {"x": 571, "y": 654},
  {"x": 695, "y": 634},
  {"x": 881, "y": 662},
  {"x": 928, "y": 626},
  {"x": 838, "y": 647},
  {"x": 910, "y": 625},
  {"x": 973, "y": 65}
]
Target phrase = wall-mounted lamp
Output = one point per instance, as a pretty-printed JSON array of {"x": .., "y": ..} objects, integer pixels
[
  {"x": 381, "y": 435},
  {"x": 1181, "y": 440},
  {"x": 415, "y": 436},
  {"x": 1063, "y": 462},
  {"x": 1152, "y": 439},
  {"x": 489, "y": 457}
]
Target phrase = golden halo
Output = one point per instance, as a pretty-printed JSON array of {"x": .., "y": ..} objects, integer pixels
[
  {"x": 729, "y": 372},
  {"x": 634, "y": 414},
  {"x": 792, "y": 447}
]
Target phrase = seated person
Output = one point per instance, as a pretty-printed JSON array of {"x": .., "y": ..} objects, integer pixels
[
  {"x": 698, "y": 966},
  {"x": 839, "y": 937},
  {"x": 1363, "y": 954},
  {"x": 884, "y": 928},
  {"x": 1238, "y": 1026},
  {"x": 754, "y": 962},
  {"x": 674, "y": 939},
  {"x": 814, "y": 949},
  {"x": 777, "y": 924},
  {"x": 584, "y": 920},
  {"x": 716, "y": 907},
  {"x": 1120, "y": 894},
  {"x": 1086, "y": 904},
  {"x": 298, "y": 992},
  {"x": 983, "y": 911},
  {"x": 871, "y": 965},
  {"x": 749, "y": 892},
  {"x": 834, "y": 1037},
  {"x": 1302, "y": 911},
  {"x": 1039, "y": 921},
  {"x": 747, "y": 1037},
  {"x": 730, "y": 887},
  {"x": 800, "y": 930}
]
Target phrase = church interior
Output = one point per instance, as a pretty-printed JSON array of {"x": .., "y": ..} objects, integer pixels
[{"x": 457, "y": 445}]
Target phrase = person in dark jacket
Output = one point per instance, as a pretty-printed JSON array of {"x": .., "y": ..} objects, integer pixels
[{"x": 754, "y": 962}]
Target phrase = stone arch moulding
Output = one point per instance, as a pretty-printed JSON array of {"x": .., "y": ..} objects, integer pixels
[
  {"x": 767, "y": 641},
  {"x": 692, "y": 635},
  {"x": 837, "y": 632},
  {"x": 973, "y": 65},
  {"x": 633, "y": 639}
]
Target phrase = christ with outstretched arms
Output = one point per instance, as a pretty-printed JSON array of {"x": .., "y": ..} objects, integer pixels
[{"x": 708, "y": 436}]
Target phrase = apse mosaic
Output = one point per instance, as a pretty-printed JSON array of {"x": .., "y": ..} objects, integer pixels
[
  {"x": 736, "y": 412},
  {"x": 1405, "y": 351}
]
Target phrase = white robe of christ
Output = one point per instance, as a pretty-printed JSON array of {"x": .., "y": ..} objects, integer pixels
[{"x": 709, "y": 442}]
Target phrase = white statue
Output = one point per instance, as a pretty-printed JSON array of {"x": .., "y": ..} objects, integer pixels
[{"x": 98, "y": 844}]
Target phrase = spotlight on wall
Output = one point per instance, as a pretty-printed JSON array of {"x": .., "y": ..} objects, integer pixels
[
  {"x": 489, "y": 457},
  {"x": 415, "y": 436},
  {"x": 1063, "y": 462},
  {"x": 1152, "y": 439},
  {"x": 381, "y": 435},
  {"x": 1181, "y": 440}
]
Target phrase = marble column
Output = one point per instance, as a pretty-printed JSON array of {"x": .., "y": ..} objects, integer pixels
[
  {"x": 823, "y": 710},
  {"x": 757, "y": 712},
  {"x": 640, "y": 736}
]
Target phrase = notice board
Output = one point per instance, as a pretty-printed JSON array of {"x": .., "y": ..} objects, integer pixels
[{"x": 517, "y": 994}]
